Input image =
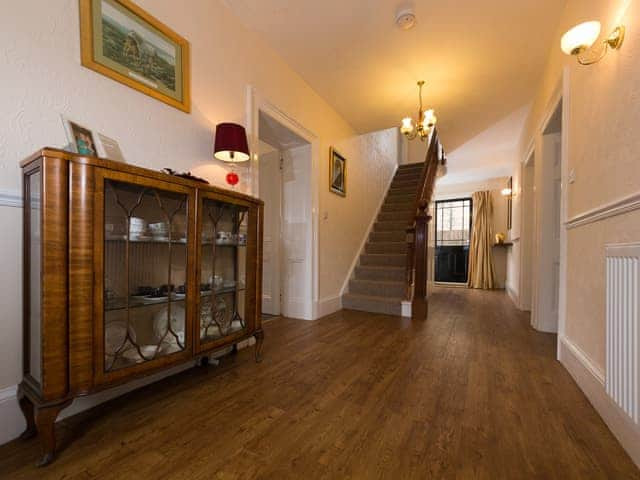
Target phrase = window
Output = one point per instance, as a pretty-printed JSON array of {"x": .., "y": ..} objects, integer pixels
[{"x": 453, "y": 222}]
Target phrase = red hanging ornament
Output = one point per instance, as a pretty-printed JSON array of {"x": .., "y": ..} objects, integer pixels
[{"x": 232, "y": 178}]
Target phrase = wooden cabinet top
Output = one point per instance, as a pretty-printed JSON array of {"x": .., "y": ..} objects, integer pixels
[{"x": 54, "y": 153}]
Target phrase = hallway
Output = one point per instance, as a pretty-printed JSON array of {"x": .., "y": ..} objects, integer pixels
[{"x": 473, "y": 392}]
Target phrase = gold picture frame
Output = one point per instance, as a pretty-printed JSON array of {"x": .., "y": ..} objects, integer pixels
[
  {"x": 337, "y": 173},
  {"x": 127, "y": 44}
]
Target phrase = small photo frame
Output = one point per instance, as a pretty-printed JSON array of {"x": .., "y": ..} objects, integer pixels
[
  {"x": 84, "y": 141},
  {"x": 337, "y": 173}
]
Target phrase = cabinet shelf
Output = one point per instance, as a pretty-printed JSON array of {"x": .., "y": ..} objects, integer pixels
[
  {"x": 135, "y": 303},
  {"x": 182, "y": 241},
  {"x": 208, "y": 244},
  {"x": 110, "y": 307},
  {"x": 222, "y": 291},
  {"x": 164, "y": 242}
]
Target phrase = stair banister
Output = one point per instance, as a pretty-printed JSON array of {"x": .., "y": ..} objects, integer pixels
[{"x": 418, "y": 231}]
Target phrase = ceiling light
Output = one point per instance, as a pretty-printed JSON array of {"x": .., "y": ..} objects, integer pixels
[
  {"x": 582, "y": 37},
  {"x": 426, "y": 120},
  {"x": 406, "y": 19}
]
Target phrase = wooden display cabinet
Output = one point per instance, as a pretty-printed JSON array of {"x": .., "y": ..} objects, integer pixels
[{"x": 128, "y": 271}]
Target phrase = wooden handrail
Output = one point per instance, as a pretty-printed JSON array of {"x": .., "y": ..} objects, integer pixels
[{"x": 418, "y": 230}]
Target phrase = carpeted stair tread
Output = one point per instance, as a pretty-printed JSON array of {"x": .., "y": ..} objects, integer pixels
[{"x": 378, "y": 281}]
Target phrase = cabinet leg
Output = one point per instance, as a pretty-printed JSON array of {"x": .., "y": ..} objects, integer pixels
[
  {"x": 259, "y": 335},
  {"x": 45, "y": 419},
  {"x": 28, "y": 410}
]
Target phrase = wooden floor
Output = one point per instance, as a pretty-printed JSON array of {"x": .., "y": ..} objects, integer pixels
[{"x": 473, "y": 392}]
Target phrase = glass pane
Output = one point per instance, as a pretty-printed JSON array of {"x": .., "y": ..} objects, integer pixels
[
  {"x": 223, "y": 269},
  {"x": 145, "y": 273},
  {"x": 35, "y": 353},
  {"x": 453, "y": 222}
]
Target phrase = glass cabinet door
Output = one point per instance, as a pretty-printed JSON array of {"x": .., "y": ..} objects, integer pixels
[
  {"x": 145, "y": 273},
  {"x": 223, "y": 268},
  {"x": 33, "y": 218}
]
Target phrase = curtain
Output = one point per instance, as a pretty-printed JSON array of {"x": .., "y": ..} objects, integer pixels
[{"x": 481, "y": 273}]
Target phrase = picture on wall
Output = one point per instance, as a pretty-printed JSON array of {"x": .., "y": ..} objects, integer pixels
[
  {"x": 337, "y": 173},
  {"x": 127, "y": 44}
]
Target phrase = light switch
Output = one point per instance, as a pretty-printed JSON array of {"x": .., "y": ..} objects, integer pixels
[
  {"x": 325, "y": 215},
  {"x": 572, "y": 176}
]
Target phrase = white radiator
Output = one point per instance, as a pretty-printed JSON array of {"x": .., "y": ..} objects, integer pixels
[{"x": 623, "y": 327}]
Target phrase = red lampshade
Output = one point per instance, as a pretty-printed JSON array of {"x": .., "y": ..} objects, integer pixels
[{"x": 231, "y": 143}]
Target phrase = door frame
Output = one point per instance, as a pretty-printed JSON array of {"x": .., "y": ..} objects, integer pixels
[
  {"x": 561, "y": 94},
  {"x": 527, "y": 230},
  {"x": 257, "y": 103},
  {"x": 435, "y": 234}
]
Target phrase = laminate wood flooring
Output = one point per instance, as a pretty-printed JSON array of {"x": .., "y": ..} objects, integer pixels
[{"x": 473, "y": 392}]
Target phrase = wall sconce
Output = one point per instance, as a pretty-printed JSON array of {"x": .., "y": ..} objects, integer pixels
[
  {"x": 582, "y": 37},
  {"x": 505, "y": 192}
]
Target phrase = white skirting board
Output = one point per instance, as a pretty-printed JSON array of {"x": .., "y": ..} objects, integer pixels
[
  {"x": 12, "y": 422},
  {"x": 591, "y": 380},
  {"x": 514, "y": 297},
  {"x": 405, "y": 308},
  {"x": 329, "y": 305}
]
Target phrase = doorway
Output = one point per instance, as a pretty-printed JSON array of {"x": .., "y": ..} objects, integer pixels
[
  {"x": 527, "y": 242},
  {"x": 284, "y": 186},
  {"x": 453, "y": 233},
  {"x": 547, "y": 201}
]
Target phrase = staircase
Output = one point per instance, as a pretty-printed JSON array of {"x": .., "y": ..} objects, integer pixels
[{"x": 378, "y": 283}]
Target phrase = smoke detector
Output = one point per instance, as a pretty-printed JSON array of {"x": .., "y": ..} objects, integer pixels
[{"x": 406, "y": 19}]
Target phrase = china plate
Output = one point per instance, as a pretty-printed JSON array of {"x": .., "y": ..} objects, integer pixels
[{"x": 155, "y": 299}]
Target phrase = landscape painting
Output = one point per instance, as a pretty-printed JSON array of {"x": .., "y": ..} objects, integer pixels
[{"x": 127, "y": 44}]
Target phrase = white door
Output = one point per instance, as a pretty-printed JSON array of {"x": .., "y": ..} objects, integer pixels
[
  {"x": 296, "y": 233},
  {"x": 547, "y": 293},
  {"x": 271, "y": 194}
]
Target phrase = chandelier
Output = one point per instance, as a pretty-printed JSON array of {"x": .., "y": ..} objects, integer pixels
[{"x": 426, "y": 121}]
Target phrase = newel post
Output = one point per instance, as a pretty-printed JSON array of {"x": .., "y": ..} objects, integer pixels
[{"x": 419, "y": 305}]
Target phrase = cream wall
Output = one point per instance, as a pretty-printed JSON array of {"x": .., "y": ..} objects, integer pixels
[
  {"x": 42, "y": 78},
  {"x": 602, "y": 105},
  {"x": 603, "y": 108},
  {"x": 372, "y": 160}
]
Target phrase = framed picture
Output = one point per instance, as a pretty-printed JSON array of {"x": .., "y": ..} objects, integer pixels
[
  {"x": 510, "y": 204},
  {"x": 88, "y": 142},
  {"x": 122, "y": 41},
  {"x": 338, "y": 173},
  {"x": 81, "y": 139}
]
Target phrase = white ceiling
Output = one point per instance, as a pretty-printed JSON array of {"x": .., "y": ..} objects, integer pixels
[
  {"x": 488, "y": 155},
  {"x": 482, "y": 59}
]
